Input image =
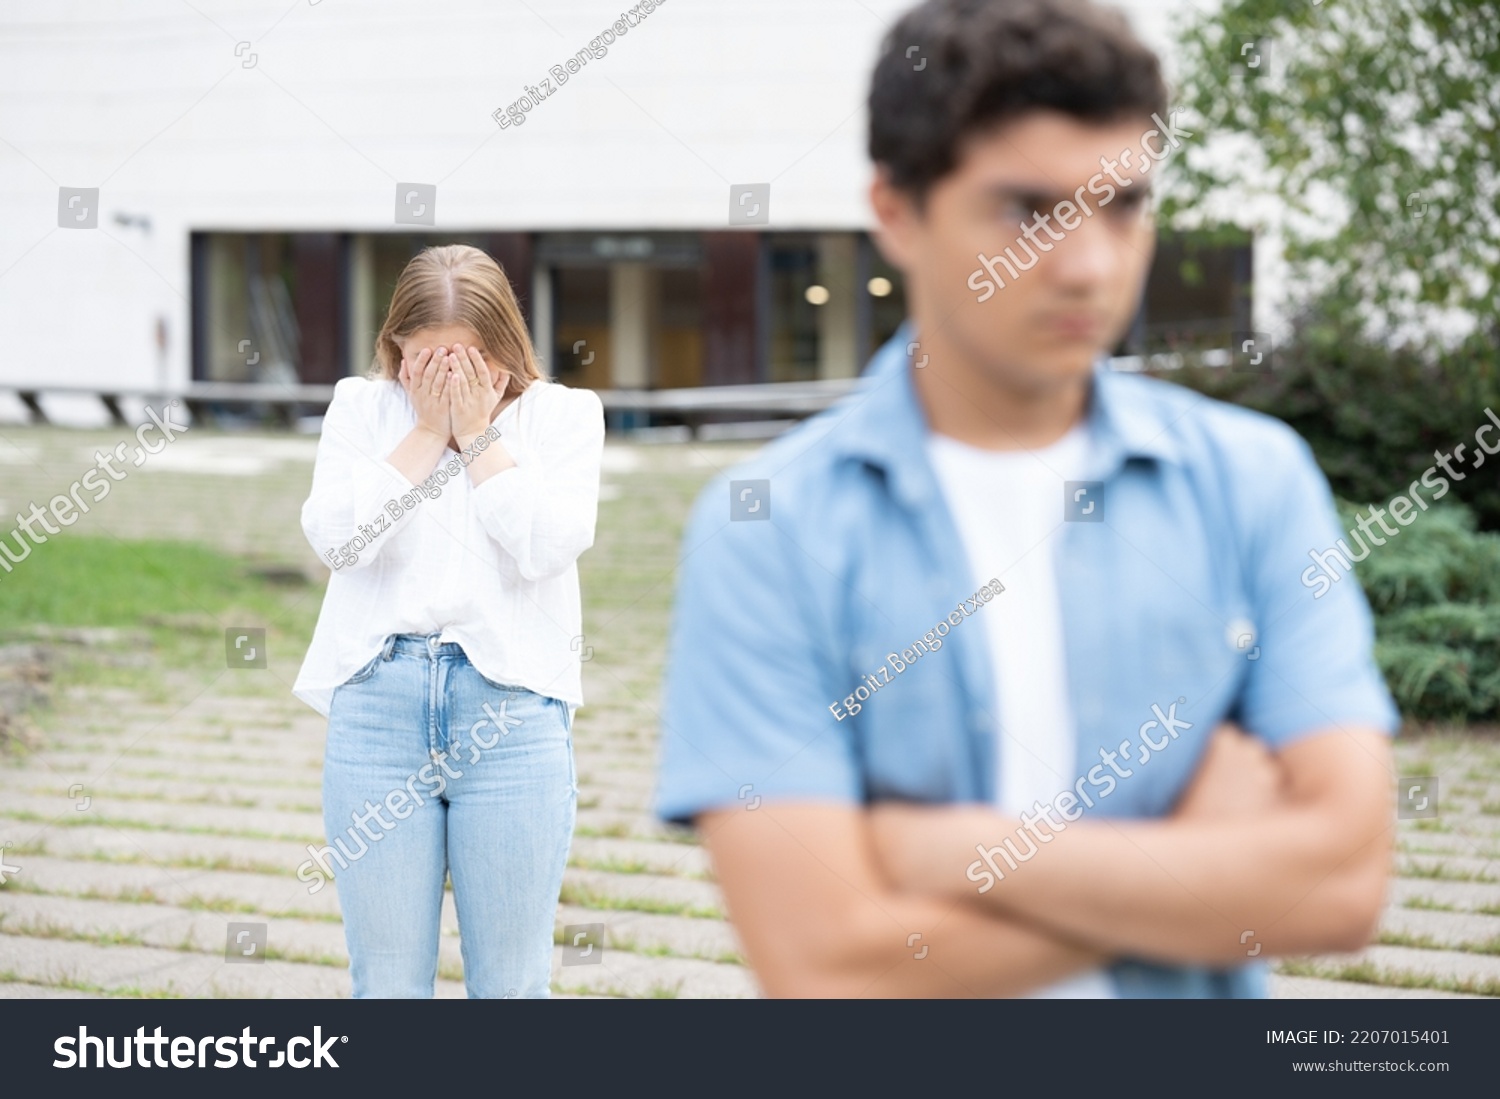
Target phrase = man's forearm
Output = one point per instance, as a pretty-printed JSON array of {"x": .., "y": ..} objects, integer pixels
[
  {"x": 817, "y": 918},
  {"x": 1304, "y": 876},
  {"x": 1190, "y": 891},
  {"x": 951, "y": 950}
]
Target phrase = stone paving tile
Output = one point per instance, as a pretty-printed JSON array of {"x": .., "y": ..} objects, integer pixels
[
  {"x": 643, "y": 931},
  {"x": 1448, "y": 964},
  {"x": 154, "y": 970},
  {"x": 1464, "y": 896},
  {"x": 1445, "y": 928},
  {"x": 226, "y": 891},
  {"x": 639, "y": 825},
  {"x": 27, "y": 914},
  {"x": 658, "y": 858},
  {"x": 62, "y": 768},
  {"x": 1315, "y": 988},
  {"x": 225, "y": 819},
  {"x": 645, "y": 889},
  {"x": 14, "y": 990},
  {"x": 623, "y": 973},
  {"x": 1453, "y": 867}
]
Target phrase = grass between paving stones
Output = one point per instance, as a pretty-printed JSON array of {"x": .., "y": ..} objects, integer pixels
[
  {"x": 127, "y": 823},
  {"x": 1473, "y": 851},
  {"x": 227, "y": 780},
  {"x": 654, "y": 950},
  {"x": 620, "y": 830},
  {"x": 1368, "y": 973},
  {"x": 1427, "y": 904},
  {"x": 205, "y": 799},
  {"x": 192, "y": 903},
  {"x": 130, "y": 992},
  {"x": 188, "y": 862},
  {"x": 656, "y": 991},
  {"x": 584, "y": 897},
  {"x": 620, "y": 866},
  {"x": 1443, "y": 872},
  {"x": 1427, "y": 942},
  {"x": 47, "y": 929}
]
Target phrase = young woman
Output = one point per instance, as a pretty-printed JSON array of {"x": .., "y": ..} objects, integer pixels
[{"x": 453, "y": 493}]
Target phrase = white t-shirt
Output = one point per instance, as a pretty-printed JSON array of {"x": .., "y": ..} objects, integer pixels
[{"x": 1008, "y": 506}]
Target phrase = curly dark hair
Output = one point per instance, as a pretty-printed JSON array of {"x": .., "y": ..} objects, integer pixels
[{"x": 987, "y": 61}]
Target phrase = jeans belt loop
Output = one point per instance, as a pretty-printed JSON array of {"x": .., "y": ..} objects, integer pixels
[{"x": 388, "y": 648}]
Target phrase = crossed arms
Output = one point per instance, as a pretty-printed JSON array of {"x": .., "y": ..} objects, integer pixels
[{"x": 1293, "y": 847}]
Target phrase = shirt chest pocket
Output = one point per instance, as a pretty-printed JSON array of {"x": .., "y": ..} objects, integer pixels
[
  {"x": 1156, "y": 701},
  {"x": 910, "y": 731}
]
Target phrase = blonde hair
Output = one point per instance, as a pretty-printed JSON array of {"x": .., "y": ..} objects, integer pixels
[{"x": 456, "y": 284}]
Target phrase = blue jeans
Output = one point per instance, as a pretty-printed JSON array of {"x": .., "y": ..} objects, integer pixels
[{"x": 432, "y": 769}]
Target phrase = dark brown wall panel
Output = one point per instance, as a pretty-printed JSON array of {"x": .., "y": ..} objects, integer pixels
[
  {"x": 317, "y": 300},
  {"x": 731, "y": 273},
  {"x": 513, "y": 252}
]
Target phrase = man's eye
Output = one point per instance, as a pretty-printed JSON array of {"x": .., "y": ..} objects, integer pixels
[{"x": 1129, "y": 207}]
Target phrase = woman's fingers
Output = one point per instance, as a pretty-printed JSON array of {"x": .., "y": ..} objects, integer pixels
[
  {"x": 437, "y": 366},
  {"x": 465, "y": 365},
  {"x": 482, "y": 371}
]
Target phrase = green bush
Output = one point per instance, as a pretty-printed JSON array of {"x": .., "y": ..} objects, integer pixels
[
  {"x": 1435, "y": 591},
  {"x": 1373, "y": 415}
]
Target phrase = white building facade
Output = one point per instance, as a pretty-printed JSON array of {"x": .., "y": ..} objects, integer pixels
[{"x": 227, "y": 192}]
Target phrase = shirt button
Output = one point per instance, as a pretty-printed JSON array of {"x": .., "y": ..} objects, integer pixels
[{"x": 1240, "y": 634}]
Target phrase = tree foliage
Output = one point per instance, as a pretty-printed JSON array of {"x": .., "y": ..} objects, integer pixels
[{"x": 1375, "y": 124}]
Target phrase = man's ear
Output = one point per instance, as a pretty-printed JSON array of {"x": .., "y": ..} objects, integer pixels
[{"x": 898, "y": 220}]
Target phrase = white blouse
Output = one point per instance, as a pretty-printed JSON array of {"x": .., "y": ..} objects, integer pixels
[{"x": 492, "y": 567}]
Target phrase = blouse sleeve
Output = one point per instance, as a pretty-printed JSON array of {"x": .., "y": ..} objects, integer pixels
[
  {"x": 352, "y": 485},
  {"x": 542, "y": 511}
]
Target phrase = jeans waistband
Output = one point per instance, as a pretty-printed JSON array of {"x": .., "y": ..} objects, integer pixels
[{"x": 416, "y": 644}]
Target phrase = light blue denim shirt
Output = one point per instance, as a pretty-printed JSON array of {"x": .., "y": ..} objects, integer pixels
[{"x": 1185, "y": 592}]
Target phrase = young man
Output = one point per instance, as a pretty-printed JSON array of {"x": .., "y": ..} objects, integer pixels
[{"x": 954, "y": 665}]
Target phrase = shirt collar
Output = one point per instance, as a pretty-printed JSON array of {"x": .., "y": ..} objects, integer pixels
[{"x": 885, "y": 426}]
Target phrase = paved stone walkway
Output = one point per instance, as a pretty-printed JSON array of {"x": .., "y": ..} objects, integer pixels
[{"x": 156, "y": 821}]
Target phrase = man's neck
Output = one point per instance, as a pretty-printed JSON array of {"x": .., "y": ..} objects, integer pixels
[{"x": 961, "y": 401}]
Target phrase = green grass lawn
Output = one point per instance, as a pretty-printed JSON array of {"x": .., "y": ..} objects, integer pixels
[{"x": 174, "y": 598}]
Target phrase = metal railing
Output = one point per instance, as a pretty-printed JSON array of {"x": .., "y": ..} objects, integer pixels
[{"x": 692, "y": 407}]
